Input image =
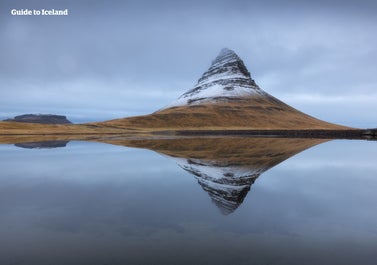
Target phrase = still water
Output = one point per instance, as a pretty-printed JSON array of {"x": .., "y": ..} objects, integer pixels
[{"x": 194, "y": 201}]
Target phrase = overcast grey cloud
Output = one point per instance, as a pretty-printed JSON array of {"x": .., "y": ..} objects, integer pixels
[{"x": 113, "y": 59}]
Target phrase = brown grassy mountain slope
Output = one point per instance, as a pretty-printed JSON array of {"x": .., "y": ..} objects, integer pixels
[{"x": 254, "y": 112}]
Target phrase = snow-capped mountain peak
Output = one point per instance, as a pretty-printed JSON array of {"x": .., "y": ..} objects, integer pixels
[
  {"x": 227, "y": 78},
  {"x": 226, "y": 65}
]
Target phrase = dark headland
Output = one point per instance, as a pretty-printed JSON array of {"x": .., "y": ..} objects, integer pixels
[{"x": 41, "y": 118}]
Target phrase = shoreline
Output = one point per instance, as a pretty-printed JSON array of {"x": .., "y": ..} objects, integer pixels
[
  {"x": 353, "y": 134},
  {"x": 357, "y": 134}
]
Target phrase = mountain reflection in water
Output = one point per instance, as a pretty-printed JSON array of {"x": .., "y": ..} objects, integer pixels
[{"x": 225, "y": 167}]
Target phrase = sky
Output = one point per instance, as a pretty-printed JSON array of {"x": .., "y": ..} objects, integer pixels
[{"x": 112, "y": 59}]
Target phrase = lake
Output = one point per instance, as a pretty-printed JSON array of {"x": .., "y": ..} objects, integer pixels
[{"x": 196, "y": 201}]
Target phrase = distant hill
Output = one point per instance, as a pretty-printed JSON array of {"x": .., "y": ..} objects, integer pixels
[
  {"x": 225, "y": 97},
  {"x": 41, "y": 118}
]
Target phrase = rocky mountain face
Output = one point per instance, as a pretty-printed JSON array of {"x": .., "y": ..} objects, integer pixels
[
  {"x": 41, "y": 118},
  {"x": 226, "y": 79}
]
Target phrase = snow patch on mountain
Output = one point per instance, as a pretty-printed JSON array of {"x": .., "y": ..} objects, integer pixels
[{"x": 226, "y": 78}]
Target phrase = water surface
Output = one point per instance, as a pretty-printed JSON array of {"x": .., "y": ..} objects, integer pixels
[{"x": 192, "y": 201}]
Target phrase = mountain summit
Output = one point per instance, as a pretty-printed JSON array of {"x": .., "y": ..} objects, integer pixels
[
  {"x": 227, "y": 78},
  {"x": 225, "y": 98}
]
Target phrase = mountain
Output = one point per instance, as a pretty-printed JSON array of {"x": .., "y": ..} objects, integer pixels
[
  {"x": 41, "y": 118},
  {"x": 225, "y": 168},
  {"x": 225, "y": 97}
]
